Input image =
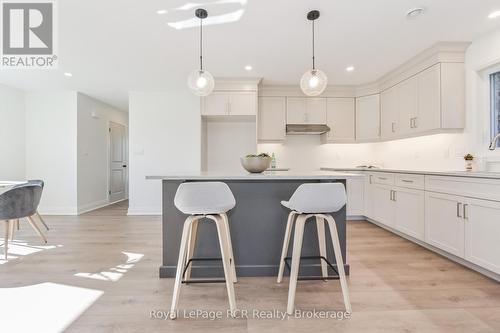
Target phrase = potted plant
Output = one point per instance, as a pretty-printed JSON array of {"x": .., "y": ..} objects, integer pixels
[
  {"x": 468, "y": 162},
  {"x": 256, "y": 163}
]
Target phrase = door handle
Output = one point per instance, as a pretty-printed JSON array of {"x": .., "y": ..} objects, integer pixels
[
  {"x": 459, "y": 208},
  {"x": 465, "y": 212}
]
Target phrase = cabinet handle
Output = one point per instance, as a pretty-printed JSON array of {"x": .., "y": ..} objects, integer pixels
[
  {"x": 382, "y": 178},
  {"x": 465, "y": 212},
  {"x": 415, "y": 124},
  {"x": 390, "y": 195},
  {"x": 392, "y": 127},
  {"x": 459, "y": 208},
  {"x": 406, "y": 181},
  {"x": 394, "y": 196},
  {"x": 411, "y": 122},
  {"x": 228, "y": 107}
]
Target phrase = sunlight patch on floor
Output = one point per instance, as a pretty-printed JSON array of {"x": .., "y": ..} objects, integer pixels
[
  {"x": 114, "y": 274},
  {"x": 18, "y": 248},
  {"x": 46, "y": 307}
]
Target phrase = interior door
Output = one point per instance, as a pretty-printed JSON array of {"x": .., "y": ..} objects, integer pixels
[
  {"x": 118, "y": 176},
  {"x": 482, "y": 233},
  {"x": 444, "y": 225}
]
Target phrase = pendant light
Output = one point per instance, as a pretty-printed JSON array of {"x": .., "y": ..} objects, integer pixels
[
  {"x": 200, "y": 81},
  {"x": 314, "y": 81}
]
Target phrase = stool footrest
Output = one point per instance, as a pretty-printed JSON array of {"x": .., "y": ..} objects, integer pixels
[
  {"x": 190, "y": 261},
  {"x": 308, "y": 278}
]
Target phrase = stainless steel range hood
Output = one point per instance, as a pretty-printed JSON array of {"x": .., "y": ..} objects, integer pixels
[{"x": 304, "y": 129}]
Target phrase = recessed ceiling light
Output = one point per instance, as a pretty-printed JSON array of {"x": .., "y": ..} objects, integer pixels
[
  {"x": 350, "y": 68},
  {"x": 161, "y": 11},
  {"x": 248, "y": 67},
  {"x": 494, "y": 14},
  {"x": 415, "y": 12},
  {"x": 68, "y": 74}
]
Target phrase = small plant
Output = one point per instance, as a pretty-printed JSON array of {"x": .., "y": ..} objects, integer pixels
[
  {"x": 468, "y": 157},
  {"x": 260, "y": 155}
]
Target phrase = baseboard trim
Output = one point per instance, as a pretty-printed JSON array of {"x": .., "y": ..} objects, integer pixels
[
  {"x": 93, "y": 206},
  {"x": 144, "y": 211},
  {"x": 442, "y": 253}
]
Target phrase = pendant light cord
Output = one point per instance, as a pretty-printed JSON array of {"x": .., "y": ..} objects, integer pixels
[
  {"x": 201, "y": 44},
  {"x": 314, "y": 67}
]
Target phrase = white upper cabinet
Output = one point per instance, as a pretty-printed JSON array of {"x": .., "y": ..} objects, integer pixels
[
  {"x": 230, "y": 103},
  {"x": 301, "y": 110},
  {"x": 340, "y": 118},
  {"x": 389, "y": 113},
  {"x": 368, "y": 118},
  {"x": 271, "y": 119},
  {"x": 433, "y": 99}
]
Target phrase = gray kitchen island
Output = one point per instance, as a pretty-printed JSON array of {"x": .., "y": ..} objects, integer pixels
[{"x": 257, "y": 223}]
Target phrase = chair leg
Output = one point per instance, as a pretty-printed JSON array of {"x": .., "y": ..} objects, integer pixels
[
  {"x": 297, "y": 248},
  {"x": 286, "y": 242},
  {"x": 6, "y": 239},
  {"x": 340, "y": 262},
  {"x": 320, "y": 227},
  {"x": 34, "y": 226},
  {"x": 11, "y": 227},
  {"x": 193, "y": 232},
  {"x": 221, "y": 231},
  {"x": 41, "y": 220},
  {"x": 180, "y": 266},
  {"x": 230, "y": 246}
]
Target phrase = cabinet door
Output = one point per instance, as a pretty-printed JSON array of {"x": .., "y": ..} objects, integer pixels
[
  {"x": 482, "y": 233},
  {"x": 296, "y": 110},
  {"x": 215, "y": 104},
  {"x": 355, "y": 200},
  {"x": 407, "y": 105},
  {"x": 444, "y": 225},
  {"x": 243, "y": 103},
  {"x": 316, "y": 110},
  {"x": 368, "y": 117},
  {"x": 382, "y": 205},
  {"x": 389, "y": 113},
  {"x": 410, "y": 213},
  {"x": 272, "y": 114},
  {"x": 340, "y": 119},
  {"x": 368, "y": 197},
  {"x": 429, "y": 100}
]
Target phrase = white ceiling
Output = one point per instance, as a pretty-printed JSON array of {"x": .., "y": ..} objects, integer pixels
[{"x": 112, "y": 47}]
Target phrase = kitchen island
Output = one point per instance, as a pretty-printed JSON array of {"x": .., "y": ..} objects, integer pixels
[{"x": 257, "y": 223}]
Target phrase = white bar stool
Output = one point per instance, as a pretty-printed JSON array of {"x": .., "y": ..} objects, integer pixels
[
  {"x": 211, "y": 200},
  {"x": 313, "y": 200}
]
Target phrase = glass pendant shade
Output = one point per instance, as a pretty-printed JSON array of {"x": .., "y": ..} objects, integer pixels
[
  {"x": 201, "y": 82},
  {"x": 313, "y": 82}
]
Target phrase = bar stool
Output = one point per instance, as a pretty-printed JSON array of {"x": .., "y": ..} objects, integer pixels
[
  {"x": 211, "y": 200},
  {"x": 313, "y": 200}
]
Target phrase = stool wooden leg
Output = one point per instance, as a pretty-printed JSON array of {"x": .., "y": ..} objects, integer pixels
[
  {"x": 6, "y": 239},
  {"x": 320, "y": 227},
  {"x": 340, "y": 262},
  {"x": 297, "y": 249},
  {"x": 230, "y": 245},
  {"x": 221, "y": 231},
  {"x": 34, "y": 226},
  {"x": 286, "y": 242},
  {"x": 191, "y": 244},
  {"x": 180, "y": 266},
  {"x": 17, "y": 223}
]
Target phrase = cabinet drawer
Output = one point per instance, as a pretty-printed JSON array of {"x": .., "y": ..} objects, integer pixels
[
  {"x": 383, "y": 178},
  {"x": 410, "y": 181},
  {"x": 488, "y": 189}
]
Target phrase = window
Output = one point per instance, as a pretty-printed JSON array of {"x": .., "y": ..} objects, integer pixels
[{"x": 495, "y": 104}]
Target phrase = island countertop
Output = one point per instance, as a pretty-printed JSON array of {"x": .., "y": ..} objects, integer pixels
[{"x": 267, "y": 175}]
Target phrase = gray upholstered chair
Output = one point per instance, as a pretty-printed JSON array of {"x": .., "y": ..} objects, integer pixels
[{"x": 19, "y": 202}]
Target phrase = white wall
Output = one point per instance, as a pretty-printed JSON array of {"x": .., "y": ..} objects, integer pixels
[
  {"x": 51, "y": 148},
  {"x": 12, "y": 134},
  {"x": 164, "y": 136},
  {"x": 92, "y": 151}
]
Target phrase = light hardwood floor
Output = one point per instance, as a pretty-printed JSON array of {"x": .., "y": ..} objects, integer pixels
[{"x": 395, "y": 286}]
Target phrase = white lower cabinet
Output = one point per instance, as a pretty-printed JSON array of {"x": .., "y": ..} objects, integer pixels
[
  {"x": 482, "y": 233},
  {"x": 382, "y": 204},
  {"x": 444, "y": 225},
  {"x": 410, "y": 211},
  {"x": 355, "y": 197}
]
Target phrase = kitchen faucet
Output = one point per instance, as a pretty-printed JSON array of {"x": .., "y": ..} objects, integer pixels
[{"x": 493, "y": 144}]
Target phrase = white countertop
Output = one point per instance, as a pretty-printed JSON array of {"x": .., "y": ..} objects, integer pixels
[
  {"x": 470, "y": 174},
  {"x": 267, "y": 175}
]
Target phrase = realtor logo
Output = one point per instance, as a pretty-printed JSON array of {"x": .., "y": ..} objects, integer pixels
[{"x": 28, "y": 34}]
